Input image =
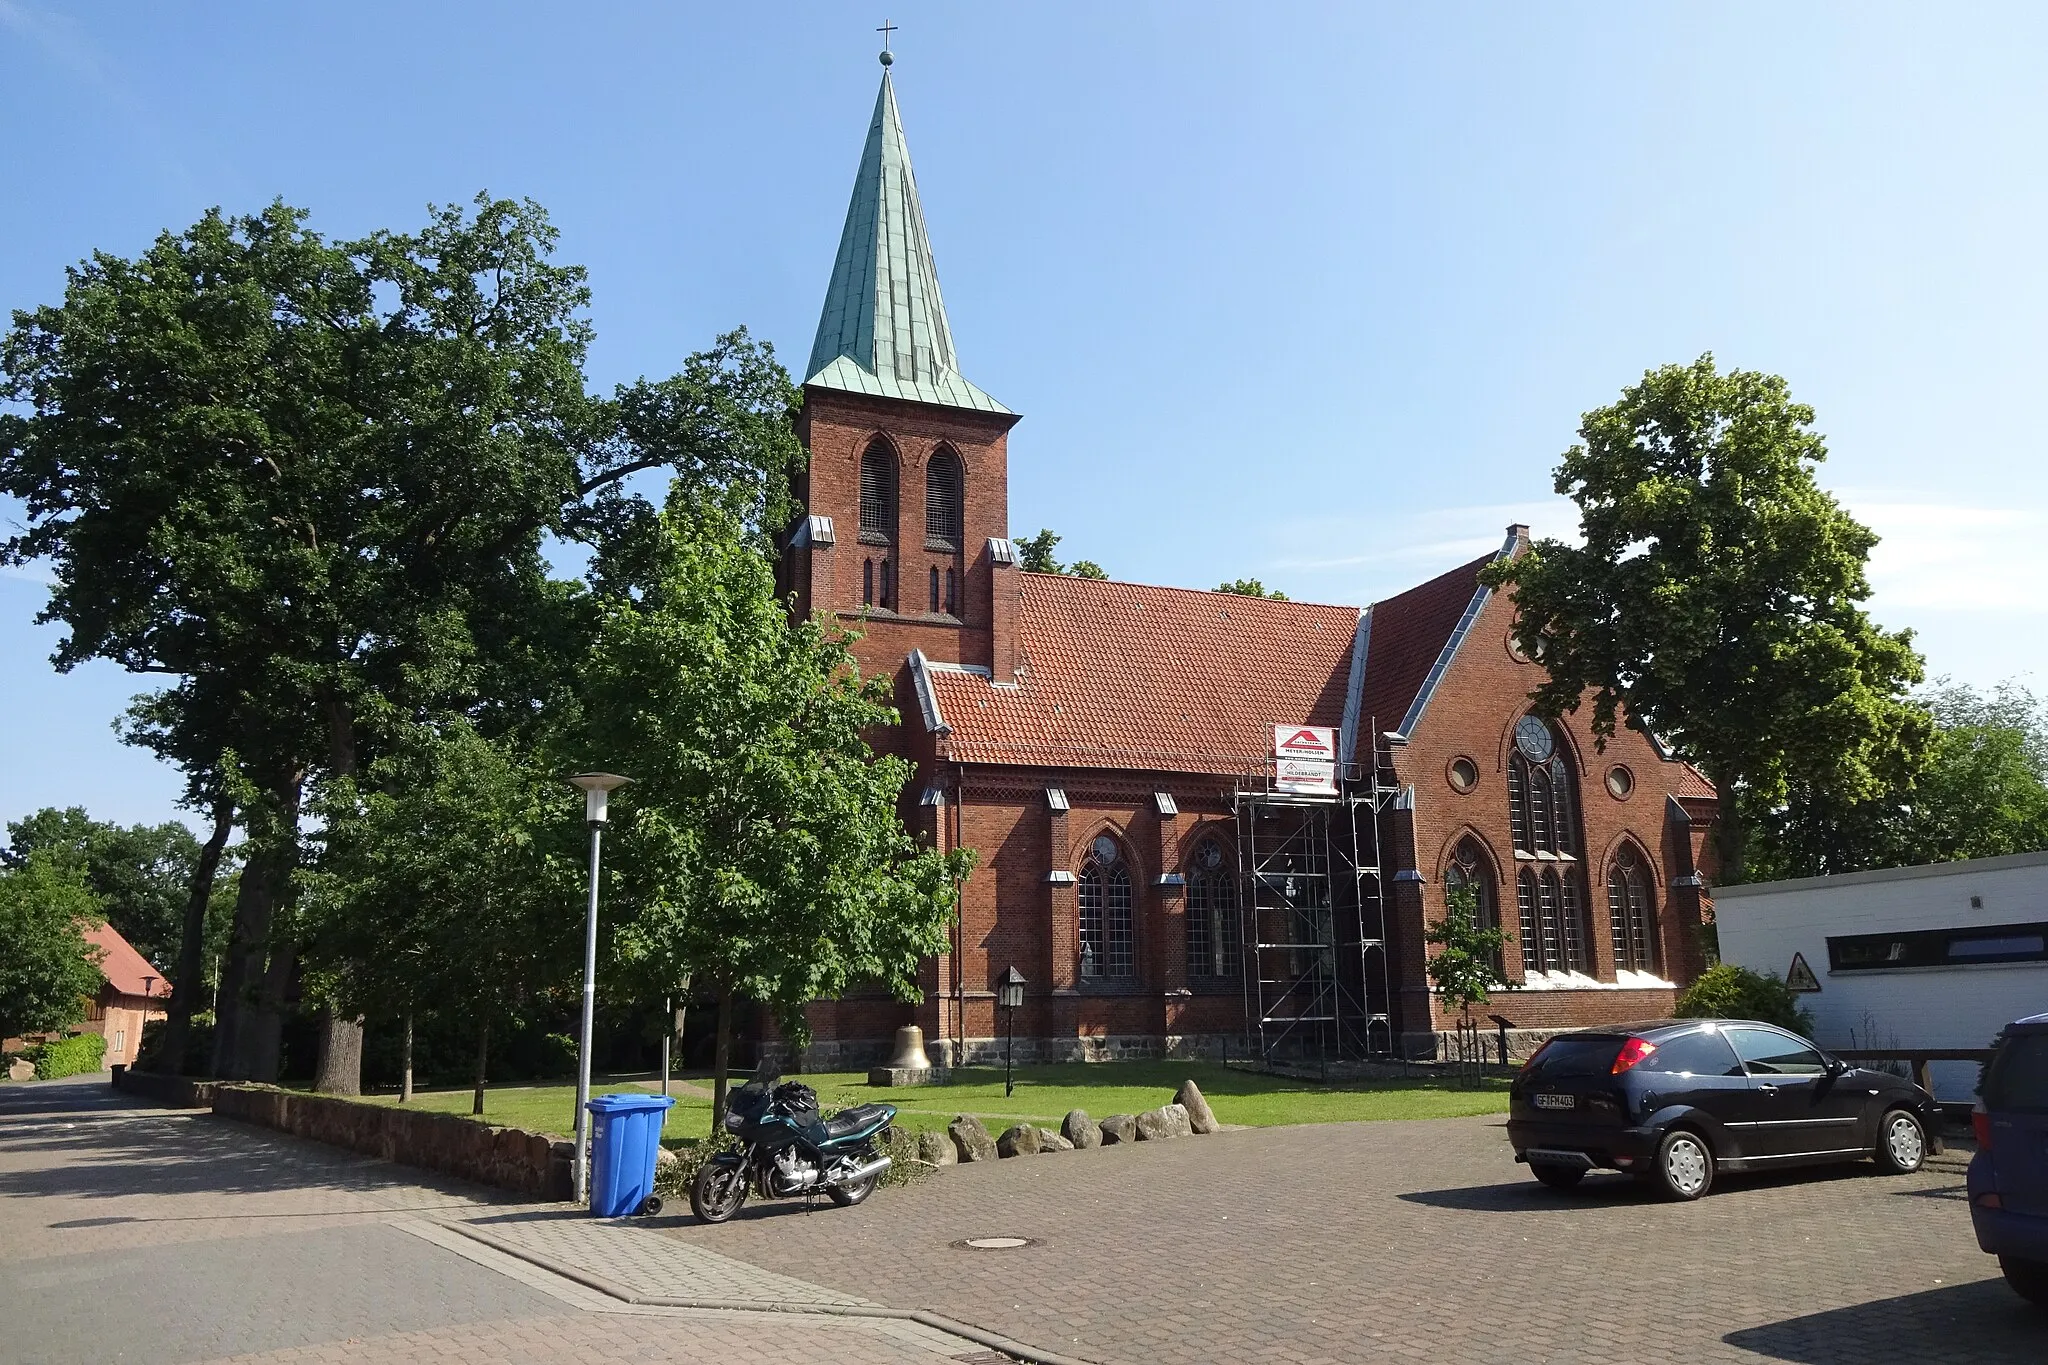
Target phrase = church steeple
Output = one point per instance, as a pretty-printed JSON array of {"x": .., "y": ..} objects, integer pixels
[{"x": 883, "y": 331}]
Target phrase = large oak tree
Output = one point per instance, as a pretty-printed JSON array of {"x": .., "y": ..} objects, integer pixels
[{"x": 1717, "y": 599}]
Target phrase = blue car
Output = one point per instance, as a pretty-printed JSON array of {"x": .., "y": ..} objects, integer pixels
[{"x": 2009, "y": 1174}]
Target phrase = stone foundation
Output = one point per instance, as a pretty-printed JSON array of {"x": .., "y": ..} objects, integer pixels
[{"x": 950, "y": 1052}]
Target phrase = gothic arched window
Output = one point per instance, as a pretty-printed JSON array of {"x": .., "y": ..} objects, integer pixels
[
  {"x": 878, "y": 493},
  {"x": 944, "y": 482},
  {"x": 1553, "y": 920},
  {"x": 1105, "y": 897},
  {"x": 1469, "y": 868},
  {"x": 1632, "y": 912},
  {"x": 1213, "y": 936},
  {"x": 1543, "y": 801}
]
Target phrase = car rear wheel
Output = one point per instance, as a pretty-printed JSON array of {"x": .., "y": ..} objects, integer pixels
[
  {"x": 1901, "y": 1143},
  {"x": 1557, "y": 1177},
  {"x": 1684, "y": 1167},
  {"x": 2029, "y": 1279}
]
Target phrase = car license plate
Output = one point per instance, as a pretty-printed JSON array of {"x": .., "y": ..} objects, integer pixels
[{"x": 1556, "y": 1101}]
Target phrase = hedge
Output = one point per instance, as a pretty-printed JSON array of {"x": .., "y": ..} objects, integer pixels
[{"x": 73, "y": 1056}]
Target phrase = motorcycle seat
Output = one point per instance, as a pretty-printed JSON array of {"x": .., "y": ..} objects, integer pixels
[{"x": 853, "y": 1120}]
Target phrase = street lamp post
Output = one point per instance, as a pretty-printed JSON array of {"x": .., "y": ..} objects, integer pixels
[
  {"x": 597, "y": 789},
  {"x": 1011, "y": 993}
]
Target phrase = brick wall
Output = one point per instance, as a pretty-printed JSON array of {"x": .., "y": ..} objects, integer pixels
[
  {"x": 509, "y": 1158},
  {"x": 1472, "y": 715}
]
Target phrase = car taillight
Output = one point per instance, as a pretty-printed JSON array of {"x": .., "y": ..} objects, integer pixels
[
  {"x": 1980, "y": 1126},
  {"x": 1632, "y": 1051}
]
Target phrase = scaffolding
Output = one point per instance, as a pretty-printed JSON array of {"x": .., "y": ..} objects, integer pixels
[{"x": 1317, "y": 975}]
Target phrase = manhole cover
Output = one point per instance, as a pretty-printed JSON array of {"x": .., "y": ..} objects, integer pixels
[{"x": 994, "y": 1243}]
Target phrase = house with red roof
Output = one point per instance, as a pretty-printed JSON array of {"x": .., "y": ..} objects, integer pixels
[
  {"x": 132, "y": 992},
  {"x": 1206, "y": 823}
]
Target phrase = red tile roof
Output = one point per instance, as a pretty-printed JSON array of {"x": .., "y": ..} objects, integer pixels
[
  {"x": 1408, "y": 634},
  {"x": 1693, "y": 782},
  {"x": 126, "y": 970},
  {"x": 1120, "y": 675}
]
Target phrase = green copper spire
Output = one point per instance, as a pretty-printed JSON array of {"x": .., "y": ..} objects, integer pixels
[{"x": 883, "y": 331}]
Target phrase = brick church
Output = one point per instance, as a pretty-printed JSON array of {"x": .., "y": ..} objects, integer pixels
[{"x": 1206, "y": 823}]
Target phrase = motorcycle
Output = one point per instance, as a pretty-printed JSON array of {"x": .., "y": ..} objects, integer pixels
[{"x": 787, "y": 1149}]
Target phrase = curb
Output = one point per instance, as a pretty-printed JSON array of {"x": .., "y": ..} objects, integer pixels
[{"x": 612, "y": 1289}]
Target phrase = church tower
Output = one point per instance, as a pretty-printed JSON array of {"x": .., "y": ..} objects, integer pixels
[{"x": 907, "y": 489}]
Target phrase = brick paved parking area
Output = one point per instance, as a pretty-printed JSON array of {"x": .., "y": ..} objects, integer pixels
[
  {"x": 1413, "y": 1241},
  {"x": 136, "y": 1234}
]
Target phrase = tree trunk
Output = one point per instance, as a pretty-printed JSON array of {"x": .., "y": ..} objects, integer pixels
[
  {"x": 262, "y": 1041},
  {"x": 188, "y": 987},
  {"x": 341, "y": 1055},
  {"x": 246, "y": 1031},
  {"x": 720, "y": 1056},
  {"x": 405, "y": 1063},
  {"x": 483, "y": 1056}
]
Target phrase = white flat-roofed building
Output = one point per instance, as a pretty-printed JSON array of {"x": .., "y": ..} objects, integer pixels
[{"x": 1942, "y": 956}]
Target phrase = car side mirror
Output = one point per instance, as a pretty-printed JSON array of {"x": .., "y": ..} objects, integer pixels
[{"x": 1836, "y": 1066}]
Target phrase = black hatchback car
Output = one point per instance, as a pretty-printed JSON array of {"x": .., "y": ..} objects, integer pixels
[{"x": 1672, "y": 1101}]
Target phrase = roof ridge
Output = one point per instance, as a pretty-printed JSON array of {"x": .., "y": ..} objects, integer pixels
[{"x": 1200, "y": 592}]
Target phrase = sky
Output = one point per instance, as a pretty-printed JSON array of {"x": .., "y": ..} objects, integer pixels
[{"x": 1309, "y": 293}]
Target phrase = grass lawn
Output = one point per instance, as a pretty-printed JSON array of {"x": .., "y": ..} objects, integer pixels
[{"x": 1044, "y": 1095}]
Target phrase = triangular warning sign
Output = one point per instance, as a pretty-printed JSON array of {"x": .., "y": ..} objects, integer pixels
[{"x": 1799, "y": 976}]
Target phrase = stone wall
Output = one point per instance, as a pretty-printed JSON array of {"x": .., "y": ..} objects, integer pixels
[
  {"x": 508, "y": 1158},
  {"x": 173, "y": 1092}
]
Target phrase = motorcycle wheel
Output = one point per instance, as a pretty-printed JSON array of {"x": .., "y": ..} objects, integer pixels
[
  {"x": 718, "y": 1192},
  {"x": 846, "y": 1196}
]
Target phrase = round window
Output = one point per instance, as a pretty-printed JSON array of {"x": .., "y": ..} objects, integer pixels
[
  {"x": 1464, "y": 774},
  {"x": 1620, "y": 782},
  {"x": 1532, "y": 737},
  {"x": 1515, "y": 650},
  {"x": 1105, "y": 849}
]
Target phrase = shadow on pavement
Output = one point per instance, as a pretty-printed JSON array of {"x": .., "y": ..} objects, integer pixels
[
  {"x": 1979, "y": 1322},
  {"x": 128, "y": 1147}
]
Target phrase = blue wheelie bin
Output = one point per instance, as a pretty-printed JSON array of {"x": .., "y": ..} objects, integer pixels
[{"x": 625, "y": 1134}]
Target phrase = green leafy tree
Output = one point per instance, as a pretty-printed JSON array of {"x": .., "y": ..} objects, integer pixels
[
  {"x": 308, "y": 479},
  {"x": 1726, "y": 991},
  {"x": 1983, "y": 794},
  {"x": 1250, "y": 587},
  {"x": 760, "y": 851},
  {"x": 48, "y": 971},
  {"x": 1716, "y": 599},
  {"x": 445, "y": 881},
  {"x": 1466, "y": 964},
  {"x": 1034, "y": 555},
  {"x": 140, "y": 874}
]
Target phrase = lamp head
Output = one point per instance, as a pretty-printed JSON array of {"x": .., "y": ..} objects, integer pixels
[
  {"x": 597, "y": 790},
  {"x": 1010, "y": 990}
]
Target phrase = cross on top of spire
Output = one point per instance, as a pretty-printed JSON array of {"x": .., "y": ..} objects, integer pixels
[{"x": 885, "y": 30}]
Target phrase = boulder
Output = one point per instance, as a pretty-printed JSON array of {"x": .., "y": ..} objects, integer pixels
[
  {"x": 937, "y": 1149},
  {"x": 663, "y": 1159},
  {"x": 1049, "y": 1141},
  {"x": 1119, "y": 1128},
  {"x": 1201, "y": 1118},
  {"x": 1020, "y": 1140},
  {"x": 1167, "y": 1121},
  {"x": 1081, "y": 1130},
  {"x": 971, "y": 1139}
]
